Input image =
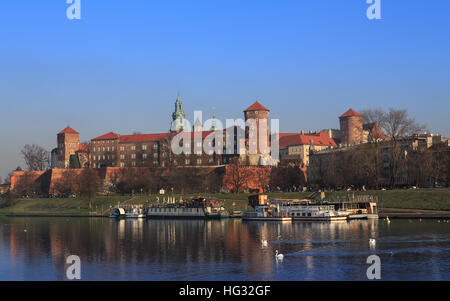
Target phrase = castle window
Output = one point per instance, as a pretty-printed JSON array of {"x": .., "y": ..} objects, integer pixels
[
  {"x": 103, "y": 157},
  {"x": 155, "y": 155},
  {"x": 94, "y": 149},
  {"x": 133, "y": 163},
  {"x": 133, "y": 147},
  {"x": 95, "y": 165},
  {"x": 122, "y": 157},
  {"x": 155, "y": 162},
  {"x": 133, "y": 156},
  {"x": 155, "y": 146},
  {"x": 112, "y": 148},
  {"x": 122, "y": 148},
  {"x": 144, "y": 156},
  {"x": 107, "y": 148},
  {"x": 103, "y": 148},
  {"x": 122, "y": 164},
  {"x": 144, "y": 147},
  {"x": 199, "y": 161},
  {"x": 187, "y": 161},
  {"x": 95, "y": 158}
]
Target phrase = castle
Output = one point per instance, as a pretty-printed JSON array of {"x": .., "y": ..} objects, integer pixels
[
  {"x": 154, "y": 150},
  {"x": 251, "y": 147}
]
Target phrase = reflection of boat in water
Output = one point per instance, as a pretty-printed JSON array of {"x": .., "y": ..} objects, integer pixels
[
  {"x": 129, "y": 211},
  {"x": 198, "y": 207},
  {"x": 263, "y": 211}
]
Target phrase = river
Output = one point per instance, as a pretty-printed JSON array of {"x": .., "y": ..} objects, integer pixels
[{"x": 36, "y": 249}]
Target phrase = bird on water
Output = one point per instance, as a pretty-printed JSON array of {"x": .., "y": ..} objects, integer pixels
[{"x": 278, "y": 256}]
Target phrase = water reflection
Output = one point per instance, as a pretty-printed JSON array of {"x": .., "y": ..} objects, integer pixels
[{"x": 36, "y": 248}]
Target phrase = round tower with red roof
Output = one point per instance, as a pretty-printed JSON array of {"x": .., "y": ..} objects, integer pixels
[{"x": 351, "y": 127}]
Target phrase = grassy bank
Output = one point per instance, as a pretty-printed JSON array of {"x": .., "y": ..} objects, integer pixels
[
  {"x": 423, "y": 199},
  {"x": 63, "y": 206}
]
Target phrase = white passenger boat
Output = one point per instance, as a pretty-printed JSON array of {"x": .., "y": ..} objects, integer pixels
[
  {"x": 129, "y": 211},
  {"x": 263, "y": 211},
  {"x": 305, "y": 210},
  {"x": 198, "y": 207}
]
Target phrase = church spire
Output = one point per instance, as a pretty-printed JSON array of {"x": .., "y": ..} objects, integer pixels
[
  {"x": 178, "y": 115},
  {"x": 213, "y": 126}
]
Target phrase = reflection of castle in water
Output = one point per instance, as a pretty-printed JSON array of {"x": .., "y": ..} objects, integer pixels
[{"x": 124, "y": 243}]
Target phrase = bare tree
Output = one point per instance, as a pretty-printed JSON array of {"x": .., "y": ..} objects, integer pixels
[
  {"x": 35, "y": 156},
  {"x": 373, "y": 116},
  {"x": 236, "y": 176},
  {"x": 396, "y": 125},
  {"x": 89, "y": 184}
]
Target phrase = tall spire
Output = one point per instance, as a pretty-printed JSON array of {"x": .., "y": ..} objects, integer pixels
[
  {"x": 213, "y": 126},
  {"x": 178, "y": 115}
]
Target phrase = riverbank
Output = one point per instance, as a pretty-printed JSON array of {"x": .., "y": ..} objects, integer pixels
[{"x": 421, "y": 203}]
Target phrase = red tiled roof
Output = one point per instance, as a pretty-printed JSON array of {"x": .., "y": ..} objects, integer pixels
[
  {"x": 319, "y": 139},
  {"x": 375, "y": 131},
  {"x": 204, "y": 134},
  {"x": 145, "y": 137},
  {"x": 142, "y": 137},
  {"x": 107, "y": 136},
  {"x": 350, "y": 113},
  {"x": 256, "y": 107},
  {"x": 68, "y": 130},
  {"x": 83, "y": 147}
]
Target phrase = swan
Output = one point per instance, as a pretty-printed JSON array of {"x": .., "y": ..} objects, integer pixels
[
  {"x": 387, "y": 219},
  {"x": 264, "y": 243},
  {"x": 372, "y": 242},
  {"x": 278, "y": 256}
]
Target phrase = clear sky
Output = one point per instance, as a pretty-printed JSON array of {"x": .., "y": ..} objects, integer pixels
[{"x": 120, "y": 67}]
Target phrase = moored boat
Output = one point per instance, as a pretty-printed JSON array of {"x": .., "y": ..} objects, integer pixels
[
  {"x": 198, "y": 207},
  {"x": 129, "y": 211},
  {"x": 263, "y": 211},
  {"x": 305, "y": 210}
]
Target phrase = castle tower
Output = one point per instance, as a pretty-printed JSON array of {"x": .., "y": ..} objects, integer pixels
[
  {"x": 178, "y": 116},
  {"x": 260, "y": 114},
  {"x": 351, "y": 123},
  {"x": 68, "y": 141}
]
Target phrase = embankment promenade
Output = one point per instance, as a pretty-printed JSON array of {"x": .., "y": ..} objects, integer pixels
[{"x": 402, "y": 203}]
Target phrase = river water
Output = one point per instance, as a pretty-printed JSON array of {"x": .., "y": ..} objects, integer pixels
[{"x": 36, "y": 249}]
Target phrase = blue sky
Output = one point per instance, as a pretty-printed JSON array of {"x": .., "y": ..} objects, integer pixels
[{"x": 120, "y": 67}]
